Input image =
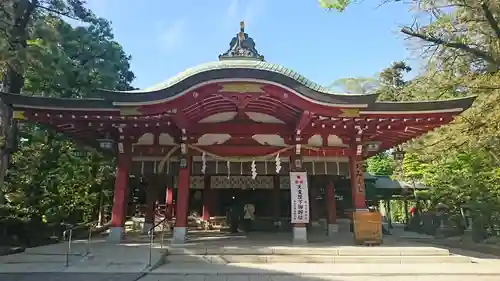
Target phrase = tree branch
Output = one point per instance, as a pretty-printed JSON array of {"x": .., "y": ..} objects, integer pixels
[
  {"x": 60, "y": 13},
  {"x": 490, "y": 18},
  {"x": 454, "y": 45}
]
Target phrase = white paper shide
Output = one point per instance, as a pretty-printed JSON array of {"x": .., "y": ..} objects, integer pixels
[{"x": 300, "y": 197}]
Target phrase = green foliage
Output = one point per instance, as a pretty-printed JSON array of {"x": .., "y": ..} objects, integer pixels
[
  {"x": 460, "y": 41},
  {"x": 338, "y": 5},
  {"x": 46, "y": 181},
  {"x": 381, "y": 164},
  {"x": 82, "y": 59},
  {"x": 358, "y": 86},
  {"x": 398, "y": 211}
]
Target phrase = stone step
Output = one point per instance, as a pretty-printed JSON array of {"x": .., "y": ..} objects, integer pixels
[
  {"x": 325, "y": 251},
  {"x": 266, "y": 259},
  {"x": 346, "y": 271}
]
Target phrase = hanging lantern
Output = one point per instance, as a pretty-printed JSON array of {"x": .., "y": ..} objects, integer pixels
[
  {"x": 398, "y": 154},
  {"x": 372, "y": 146},
  {"x": 254, "y": 170},
  {"x": 278, "y": 163},
  {"x": 107, "y": 142},
  {"x": 203, "y": 162}
]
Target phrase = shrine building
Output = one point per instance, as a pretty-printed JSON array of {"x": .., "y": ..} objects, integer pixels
[{"x": 239, "y": 129}]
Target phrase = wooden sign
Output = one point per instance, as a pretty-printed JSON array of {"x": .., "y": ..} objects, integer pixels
[{"x": 367, "y": 227}]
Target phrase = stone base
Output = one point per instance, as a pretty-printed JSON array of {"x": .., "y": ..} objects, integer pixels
[
  {"x": 444, "y": 231},
  {"x": 116, "y": 234},
  {"x": 344, "y": 225},
  {"x": 317, "y": 226},
  {"x": 467, "y": 236},
  {"x": 299, "y": 235},
  {"x": 146, "y": 227},
  {"x": 332, "y": 229},
  {"x": 179, "y": 235}
]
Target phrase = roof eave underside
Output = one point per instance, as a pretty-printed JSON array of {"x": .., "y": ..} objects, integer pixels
[
  {"x": 459, "y": 105},
  {"x": 39, "y": 102},
  {"x": 42, "y": 103}
]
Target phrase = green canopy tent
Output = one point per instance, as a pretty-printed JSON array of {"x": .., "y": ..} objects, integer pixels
[{"x": 383, "y": 187}]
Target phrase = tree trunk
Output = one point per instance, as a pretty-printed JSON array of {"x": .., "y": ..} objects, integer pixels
[
  {"x": 405, "y": 206},
  {"x": 101, "y": 207},
  {"x": 13, "y": 81}
]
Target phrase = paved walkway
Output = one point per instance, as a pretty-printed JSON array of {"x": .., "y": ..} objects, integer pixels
[
  {"x": 57, "y": 276},
  {"x": 129, "y": 261},
  {"x": 327, "y": 269},
  {"x": 103, "y": 257}
]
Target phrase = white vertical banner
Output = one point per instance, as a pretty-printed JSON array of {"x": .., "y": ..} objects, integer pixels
[{"x": 299, "y": 197}]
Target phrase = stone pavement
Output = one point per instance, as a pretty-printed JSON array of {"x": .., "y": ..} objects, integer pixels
[
  {"x": 104, "y": 257},
  {"x": 327, "y": 269},
  {"x": 154, "y": 277},
  {"x": 57, "y": 276},
  {"x": 321, "y": 278},
  {"x": 129, "y": 262}
]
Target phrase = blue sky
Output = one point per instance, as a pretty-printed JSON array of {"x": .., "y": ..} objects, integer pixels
[{"x": 165, "y": 37}]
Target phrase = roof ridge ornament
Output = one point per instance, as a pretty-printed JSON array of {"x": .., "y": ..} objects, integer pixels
[{"x": 242, "y": 46}]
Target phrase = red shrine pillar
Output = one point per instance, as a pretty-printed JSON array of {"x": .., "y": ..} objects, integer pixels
[
  {"x": 151, "y": 196},
  {"x": 299, "y": 228},
  {"x": 119, "y": 210},
  {"x": 331, "y": 209},
  {"x": 182, "y": 202},
  {"x": 207, "y": 199}
]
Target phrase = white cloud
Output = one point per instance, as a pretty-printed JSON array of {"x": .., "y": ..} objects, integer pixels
[
  {"x": 171, "y": 36},
  {"x": 246, "y": 10},
  {"x": 232, "y": 9},
  {"x": 99, "y": 6}
]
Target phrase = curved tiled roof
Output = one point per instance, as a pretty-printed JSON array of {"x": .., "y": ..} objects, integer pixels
[
  {"x": 238, "y": 68},
  {"x": 240, "y": 63}
]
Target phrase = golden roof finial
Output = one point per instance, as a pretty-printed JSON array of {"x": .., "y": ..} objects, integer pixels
[{"x": 241, "y": 34}]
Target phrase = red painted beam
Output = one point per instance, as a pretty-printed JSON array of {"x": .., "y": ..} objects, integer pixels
[
  {"x": 242, "y": 129},
  {"x": 241, "y": 150},
  {"x": 305, "y": 119},
  {"x": 182, "y": 122},
  {"x": 181, "y": 101}
]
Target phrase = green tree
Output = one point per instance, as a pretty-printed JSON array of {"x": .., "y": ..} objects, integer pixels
[
  {"x": 20, "y": 21},
  {"x": 358, "y": 86},
  {"x": 381, "y": 164},
  {"x": 459, "y": 40},
  {"x": 70, "y": 62},
  {"x": 338, "y": 5},
  {"x": 390, "y": 84},
  {"x": 58, "y": 184},
  {"x": 393, "y": 83}
]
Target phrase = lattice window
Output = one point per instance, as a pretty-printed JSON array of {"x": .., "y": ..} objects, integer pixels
[
  {"x": 196, "y": 182},
  {"x": 285, "y": 182},
  {"x": 245, "y": 182}
]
